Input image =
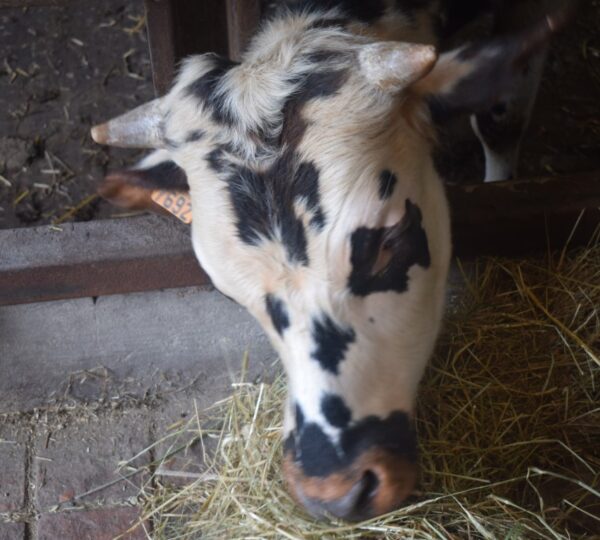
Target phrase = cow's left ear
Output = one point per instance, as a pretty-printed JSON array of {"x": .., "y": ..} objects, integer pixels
[
  {"x": 132, "y": 188},
  {"x": 474, "y": 77}
]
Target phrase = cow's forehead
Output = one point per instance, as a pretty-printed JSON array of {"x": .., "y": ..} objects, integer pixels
[
  {"x": 309, "y": 207},
  {"x": 278, "y": 147}
]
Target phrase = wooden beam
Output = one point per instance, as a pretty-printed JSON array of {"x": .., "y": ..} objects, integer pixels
[
  {"x": 526, "y": 216},
  {"x": 33, "y": 3},
  {"x": 138, "y": 254},
  {"x": 95, "y": 258},
  {"x": 179, "y": 28},
  {"x": 242, "y": 21},
  {"x": 161, "y": 43}
]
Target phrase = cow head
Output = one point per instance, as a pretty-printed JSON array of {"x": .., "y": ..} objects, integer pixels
[{"x": 317, "y": 207}]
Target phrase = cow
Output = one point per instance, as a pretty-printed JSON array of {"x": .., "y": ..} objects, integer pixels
[{"x": 317, "y": 205}]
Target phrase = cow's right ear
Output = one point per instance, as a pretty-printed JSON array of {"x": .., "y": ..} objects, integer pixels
[
  {"x": 473, "y": 78},
  {"x": 132, "y": 188}
]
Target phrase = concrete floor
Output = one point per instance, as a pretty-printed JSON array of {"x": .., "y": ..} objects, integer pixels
[{"x": 85, "y": 384}]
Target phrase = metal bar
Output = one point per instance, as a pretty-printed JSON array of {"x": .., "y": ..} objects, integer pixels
[{"x": 95, "y": 258}]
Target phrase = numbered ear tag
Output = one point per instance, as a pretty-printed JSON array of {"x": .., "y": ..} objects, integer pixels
[{"x": 176, "y": 202}]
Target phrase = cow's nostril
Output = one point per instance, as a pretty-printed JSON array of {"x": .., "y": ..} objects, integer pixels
[
  {"x": 353, "y": 504},
  {"x": 376, "y": 482},
  {"x": 370, "y": 483}
]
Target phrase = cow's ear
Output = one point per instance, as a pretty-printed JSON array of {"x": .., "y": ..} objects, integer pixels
[
  {"x": 132, "y": 188},
  {"x": 474, "y": 77}
]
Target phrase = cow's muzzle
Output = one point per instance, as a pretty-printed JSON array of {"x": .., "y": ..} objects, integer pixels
[{"x": 375, "y": 483}]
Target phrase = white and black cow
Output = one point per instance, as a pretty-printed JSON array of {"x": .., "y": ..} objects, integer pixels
[{"x": 317, "y": 206}]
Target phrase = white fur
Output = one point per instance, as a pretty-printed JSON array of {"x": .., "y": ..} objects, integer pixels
[{"x": 351, "y": 138}]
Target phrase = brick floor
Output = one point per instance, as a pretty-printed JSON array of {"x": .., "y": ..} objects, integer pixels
[
  {"x": 12, "y": 469},
  {"x": 101, "y": 524},
  {"x": 171, "y": 418},
  {"x": 84, "y": 455}
]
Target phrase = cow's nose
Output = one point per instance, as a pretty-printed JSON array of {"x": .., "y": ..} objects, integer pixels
[{"x": 377, "y": 482}]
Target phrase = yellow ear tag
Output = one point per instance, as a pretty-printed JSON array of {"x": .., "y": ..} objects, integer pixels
[{"x": 177, "y": 202}]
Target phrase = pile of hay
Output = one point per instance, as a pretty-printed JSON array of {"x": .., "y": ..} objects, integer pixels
[{"x": 508, "y": 424}]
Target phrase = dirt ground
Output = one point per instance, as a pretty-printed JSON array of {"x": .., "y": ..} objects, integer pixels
[
  {"x": 64, "y": 70},
  {"x": 61, "y": 71}
]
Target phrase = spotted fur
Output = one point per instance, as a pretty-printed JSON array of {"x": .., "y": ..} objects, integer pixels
[{"x": 316, "y": 205}]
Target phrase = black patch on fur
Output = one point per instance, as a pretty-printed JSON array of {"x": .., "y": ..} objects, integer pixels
[
  {"x": 316, "y": 453},
  {"x": 306, "y": 187},
  {"x": 299, "y": 418},
  {"x": 318, "y": 456},
  {"x": 165, "y": 175},
  {"x": 395, "y": 434},
  {"x": 387, "y": 183},
  {"x": 217, "y": 160},
  {"x": 318, "y": 84},
  {"x": 263, "y": 202},
  {"x": 278, "y": 313},
  {"x": 401, "y": 246},
  {"x": 326, "y": 57},
  {"x": 332, "y": 342},
  {"x": 206, "y": 89},
  {"x": 329, "y": 23},
  {"x": 195, "y": 135},
  {"x": 335, "y": 411}
]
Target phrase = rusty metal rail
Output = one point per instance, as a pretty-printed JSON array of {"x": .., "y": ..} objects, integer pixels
[{"x": 139, "y": 254}]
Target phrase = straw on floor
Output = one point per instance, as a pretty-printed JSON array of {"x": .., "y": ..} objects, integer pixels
[{"x": 508, "y": 424}]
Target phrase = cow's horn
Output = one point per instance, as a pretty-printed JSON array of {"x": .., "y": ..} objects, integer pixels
[
  {"x": 393, "y": 65},
  {"x": 139, "y": 128}
]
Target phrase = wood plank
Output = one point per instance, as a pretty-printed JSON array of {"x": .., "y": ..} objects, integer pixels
[
  {"x": 96, "y": 258},
  {"x": 138, "y": 254},
  {"x": 519, "y": 217},
  {"x": 161, "y": 43},
  {"x": 33, "y": 3},
  {"x": 242, "y": 20},
  {"x": 179, "y": 28}
]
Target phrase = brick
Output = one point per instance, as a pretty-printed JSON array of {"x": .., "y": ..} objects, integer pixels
[
  {"x": 100, "y": 524},
  {"x": 84, "y": 454},
  {"x": 169, "y": 421},
  {"x": 12, "y": 470},
  {"x": 12, "y": 531}
]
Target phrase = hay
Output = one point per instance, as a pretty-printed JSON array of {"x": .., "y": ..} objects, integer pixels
[{"x": 508, "y": 425}]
